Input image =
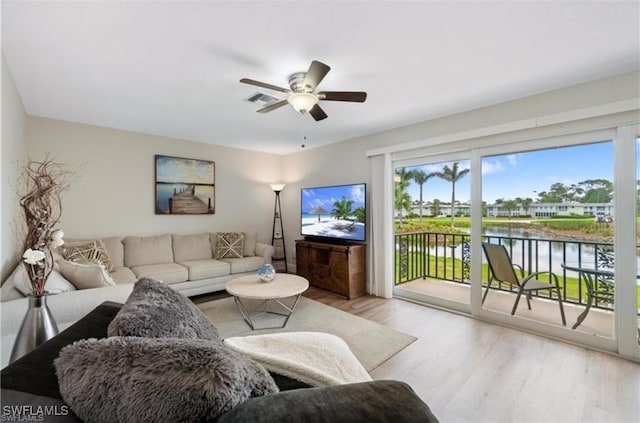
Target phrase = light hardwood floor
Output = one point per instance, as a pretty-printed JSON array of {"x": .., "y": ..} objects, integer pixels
[{"x": 473, "y": 371}]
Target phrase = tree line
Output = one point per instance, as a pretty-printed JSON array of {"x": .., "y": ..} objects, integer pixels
[
  {"x": 404, "y": 177},
  {"x": 587, "y": 191}
]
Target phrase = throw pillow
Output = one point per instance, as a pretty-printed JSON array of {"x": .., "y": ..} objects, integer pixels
[
  {"x": 85, "y": 275},
  {"x": 229, "y": 245},
  {"x": 90, "y": 252},
  {"x": 56, "y": 284},
  {"x": 155, "y": 310},
  {"x": 131, "y": 379}
]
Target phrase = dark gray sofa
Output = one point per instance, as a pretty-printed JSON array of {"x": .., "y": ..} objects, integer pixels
[{"x": 30, "y": 383}]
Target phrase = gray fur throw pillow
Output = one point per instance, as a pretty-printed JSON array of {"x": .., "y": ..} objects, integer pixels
[
  {"x": 155, "y": 310},
  {"x": 132, "y": 379}
]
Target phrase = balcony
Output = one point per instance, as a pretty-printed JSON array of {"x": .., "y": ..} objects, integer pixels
[{"x": 438, "y": 264}]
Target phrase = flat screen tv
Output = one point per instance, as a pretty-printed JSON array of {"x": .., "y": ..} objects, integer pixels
[{"x": 334, "y": 212}]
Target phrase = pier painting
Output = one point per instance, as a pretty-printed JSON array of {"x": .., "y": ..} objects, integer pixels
[{"x": 184, "y": 186}]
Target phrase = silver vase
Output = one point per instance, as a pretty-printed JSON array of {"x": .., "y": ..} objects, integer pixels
[{"x": 37, "y": 327}]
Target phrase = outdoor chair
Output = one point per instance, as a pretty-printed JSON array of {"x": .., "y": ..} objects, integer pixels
[{"x": 503, "y": 270}]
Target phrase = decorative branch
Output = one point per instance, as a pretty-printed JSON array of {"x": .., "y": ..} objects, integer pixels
[{"x": 45, "y": 182}]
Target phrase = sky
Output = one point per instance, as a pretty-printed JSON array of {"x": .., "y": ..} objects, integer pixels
[
  {"x": 522, "y": 174},
  {"x": 173, "y": 169},
  {"x": 325, "y": 197}
]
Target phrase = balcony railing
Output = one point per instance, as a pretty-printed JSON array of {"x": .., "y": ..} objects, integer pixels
[{"x": 445, "y": 256}]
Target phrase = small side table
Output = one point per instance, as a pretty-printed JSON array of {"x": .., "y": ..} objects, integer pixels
[
  {"x": 589, "y": 276},
  {"x": 250, "y": 287}
]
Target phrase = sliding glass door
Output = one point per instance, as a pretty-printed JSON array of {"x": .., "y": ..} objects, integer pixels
[
  {"x": 552, "y": 210},
  {"x": 432, "y": 224},
  {"x": 561, "y": 209}
]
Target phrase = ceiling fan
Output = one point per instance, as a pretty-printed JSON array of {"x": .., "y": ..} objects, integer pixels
[{"x": 302, "y": 93}]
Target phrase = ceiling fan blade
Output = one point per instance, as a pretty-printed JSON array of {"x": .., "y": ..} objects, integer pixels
[
  {"x": 273, "y": 106},
  {"x": 264, "y": 85},
  {"x": 316, "y": 73},
  {"x": 317, "y": 113},
  {"x": 357, "y": 96}
]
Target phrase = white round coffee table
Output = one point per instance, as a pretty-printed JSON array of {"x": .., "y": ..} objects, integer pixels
[{"x": 250, "y": 287}]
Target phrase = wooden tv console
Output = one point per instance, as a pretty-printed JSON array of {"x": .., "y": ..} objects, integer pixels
[{"x": 336, "y": 268}]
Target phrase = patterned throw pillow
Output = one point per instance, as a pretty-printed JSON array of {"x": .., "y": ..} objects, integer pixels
[
  {"x": 90, "y": 252},
  {"x": 229, "y": 245}
]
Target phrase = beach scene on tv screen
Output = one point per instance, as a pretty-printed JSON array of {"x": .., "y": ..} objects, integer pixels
[{"x": 335, "y": 212}]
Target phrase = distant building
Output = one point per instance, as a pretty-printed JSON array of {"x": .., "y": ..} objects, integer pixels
[
  {"x": 596, "y": 210},
  {"x": 553, "y": 209},
  {"x": 461, "y": 209}
]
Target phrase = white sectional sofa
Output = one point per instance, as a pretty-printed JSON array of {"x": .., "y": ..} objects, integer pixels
[{"x": 186, "y": 262}]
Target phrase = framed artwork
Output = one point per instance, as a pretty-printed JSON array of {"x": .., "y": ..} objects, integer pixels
[{"x": 184, "y": 186}]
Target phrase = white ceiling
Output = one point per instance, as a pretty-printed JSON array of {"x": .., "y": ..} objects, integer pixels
[{"x": 172, "y": 67}]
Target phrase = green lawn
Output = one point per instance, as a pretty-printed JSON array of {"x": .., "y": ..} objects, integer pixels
[
  {"x": 447, "y": 268},
  {"x": 559, "y": 226}
]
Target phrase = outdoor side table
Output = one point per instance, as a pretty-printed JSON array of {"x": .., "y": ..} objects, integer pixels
[{"x": 587, "y": 274}]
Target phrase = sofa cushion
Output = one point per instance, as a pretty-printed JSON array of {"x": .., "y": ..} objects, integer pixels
[
  {"x": 9, "y": 291},
  {"x": 250, "y": 241},
  {"x": 87, "y": 252},
  {"x": 244, "y": 264},
  {"x": 377, "y": 401},
  {"x": 123, "y": 275},
  {"x": 85, "y": 275},
  {"x": 228, "y": 245},
  {"x": 56, "y": 283},
  {"x": 203, "y": 269},
  {"x": 191, "y": 247},
  {"x": 167, "y": 273},
  {"x": 132, "y": 379},
  {"x": 115, "y": 249},
  {"x": 154, "y": 310},
  {"x": 144, "y": 251}
]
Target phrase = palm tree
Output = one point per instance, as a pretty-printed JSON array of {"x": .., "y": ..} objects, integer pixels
[
  {"x": 360, "y": 214},
  {"x": 436, "y": 207},
  {"x": 402, "y": 197},
  {"x": 420, "y": 178},
  {"x": 510, "y": 206},
  {"x": 526, "y": 204},
  {"x": 453, "y": 175},
  {"x": 342, "y": 209}
]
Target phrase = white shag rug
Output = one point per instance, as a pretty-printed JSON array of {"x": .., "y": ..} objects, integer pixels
[{"x": 315, "y": 358}]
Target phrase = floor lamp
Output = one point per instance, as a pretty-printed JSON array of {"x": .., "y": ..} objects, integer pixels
[{"x": 277, "y": 236}]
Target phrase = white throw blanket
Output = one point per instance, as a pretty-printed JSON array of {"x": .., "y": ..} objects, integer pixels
[{"x": 315, "y": 358}]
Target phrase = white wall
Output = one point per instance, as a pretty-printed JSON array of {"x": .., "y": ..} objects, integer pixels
[
  {"x": 11, "y": 154},
  {"x": 338, "y": 164},
  {"x": 113, "y": 192},
  {"x": 589, "y": 94}
]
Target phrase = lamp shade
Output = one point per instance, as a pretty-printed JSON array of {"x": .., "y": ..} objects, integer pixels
[
  {"x": 277, "y": 187},
  {"x": 302, "y": 102}
]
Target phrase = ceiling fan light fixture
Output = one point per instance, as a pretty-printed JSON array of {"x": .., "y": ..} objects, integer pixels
[{"x": 302, "y": 102}]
